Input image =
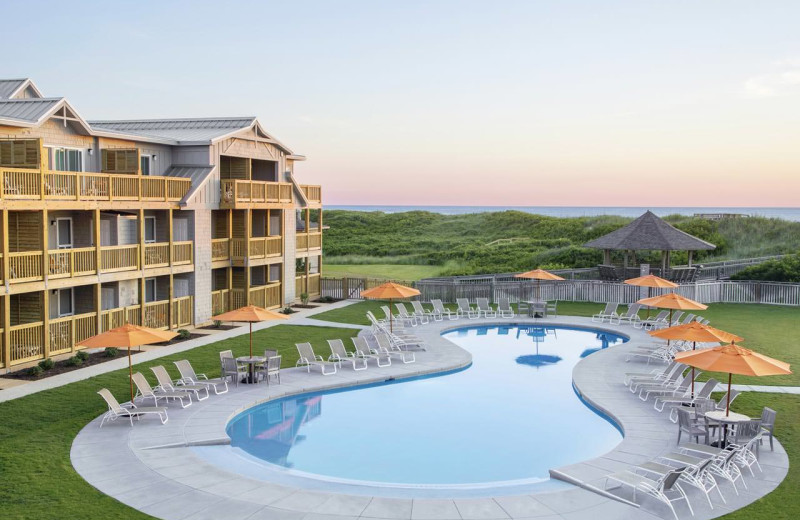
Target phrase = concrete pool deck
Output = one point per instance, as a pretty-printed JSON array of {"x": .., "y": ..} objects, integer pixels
[{"x": 153, "y": 468}]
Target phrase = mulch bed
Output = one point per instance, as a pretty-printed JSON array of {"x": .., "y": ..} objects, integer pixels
[
  {"x": 301, "y": 306},
  {"x": 221, "y": 327}
]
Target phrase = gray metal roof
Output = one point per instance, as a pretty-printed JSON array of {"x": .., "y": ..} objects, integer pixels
[
  {"x": 9, "y": 86},
  {"x": 181, "y": 131},
  {"x": 649, "y": 232},
  {"x": 27, "y": 110},
  {"x": 197, "y": 174}
]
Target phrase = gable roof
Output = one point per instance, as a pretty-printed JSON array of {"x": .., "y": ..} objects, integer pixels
[
  {"x": 12, "y": 87},
  {"x": 32, "y": 110},
  {"x": 180, "y": 131},
  {"x": 649, "y": 232}
]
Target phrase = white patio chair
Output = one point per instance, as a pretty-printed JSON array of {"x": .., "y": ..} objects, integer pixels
[
  {"x": 308, "y": 359},
  {"x": 130, "y": 410},
  {"x": 339, "y": 355}
]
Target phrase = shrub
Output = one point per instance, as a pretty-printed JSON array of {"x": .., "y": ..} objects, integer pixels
[
  {"x": 327, "y": 299},
  {"x": 786, "y": 269},
  {"x": 184, "y": 334},
  {"x": 111, "y": 352},
  {"x": 35, "y": 371},
  {"x": 74, "y": 361},
  {"x": 47, "y": 364},
  {"x": 82, "y": 355},
  {"x": 217, "y": 324},
  {"x": 288, "y": 310},
  {"x": 304, "y": 298}
]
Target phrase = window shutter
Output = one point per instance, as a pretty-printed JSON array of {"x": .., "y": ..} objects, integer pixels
[
  {"x": 22, "y": 153},
  {"x": 120, "y": 161}
]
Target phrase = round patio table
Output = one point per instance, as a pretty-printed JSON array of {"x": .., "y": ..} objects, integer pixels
[
  {"x": 251, "y": 367},
  {"x": 729, "y": 419},
  {"x": 537, "y": 307}
]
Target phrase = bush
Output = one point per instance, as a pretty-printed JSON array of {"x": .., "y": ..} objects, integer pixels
[
  {"x": 783, "y": 270},
  {"x": 327, "y": 299},
  {"x": 304, "y": 298},
  {"x": 112, "y": 352},
  {"x": 184, "y": 334},
  {"x": 35, "y": 371},
  {"x": 217, "y": 324},
  {"x": 82, "y": 355},
  {"x": 288, "y": 310},
  {"x": 74, "y": 361},
  {"x": 47, "y": 364}
]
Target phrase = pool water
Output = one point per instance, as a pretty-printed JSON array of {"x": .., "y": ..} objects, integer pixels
[{"x": 508, "y": 418}]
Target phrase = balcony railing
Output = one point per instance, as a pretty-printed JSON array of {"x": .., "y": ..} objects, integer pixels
[
  {"x": 266, "y": 296},
  {"x": 32, "y": 184},
  {"x": 313, "y": 193},
  {"x": 220, "y": 301},
  {"x": 26, "y": 342},
  {"x": 67, "y": 331},
  {"x": 260, "y": 247},
  {"x": 182, "y": 253},
  {"x": 254, "y": 192},
  {"x": 307, "y": 241},
  {"x": 220, "y": 249},
  {"x": 119, "y": 258},
  {"x": 66, "y": 263},
  {"x": 156, "y": 254}
]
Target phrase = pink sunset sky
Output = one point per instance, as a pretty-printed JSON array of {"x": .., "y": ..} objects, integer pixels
[{"x": 618, "y": 103}]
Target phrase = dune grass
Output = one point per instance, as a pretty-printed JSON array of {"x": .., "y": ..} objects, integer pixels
[{"x": 407, "y": 272}]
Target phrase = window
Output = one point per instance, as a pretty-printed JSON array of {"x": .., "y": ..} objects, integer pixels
[
  {"x": 149, "y": 290},
  {"x": 65, "y": 303},
  {"x": 64, "y": 233},
  {"x": 145, "y": 164},
  {"x": 149, "y": 230},
  {"x": 66, "y": 159}
]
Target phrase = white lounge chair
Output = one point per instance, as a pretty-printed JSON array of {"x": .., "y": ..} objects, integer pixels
[
  {"x": 363, "y": 351},
  {"x": 485, "y": 308},
  {"x": 440, "y": 310},
  {"x": 660, "y": 320},
  {"x": 189, "y": 376},
  {"x": 165, "y": 384},
  {"x": 631, "y": 315},
  {"x": 145, "y": 391},
  {"x": 661, "y": 489},
  {"x": 385, "y": 346},
  {"x": 504, "y": 309},
  {"x": 309, "y": 359},
  {"x": 396, "y": 320},
  {"x": 116, "y": 410},
  {"x": 465, "y": 309},
  {"x": 405, "y": 315},
  {"x": 420, "y": 313},
  {"x": 608, "y": 313},
  {"x": 339, "y": 355}
]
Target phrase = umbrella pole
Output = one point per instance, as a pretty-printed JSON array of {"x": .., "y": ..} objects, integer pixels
[
  {"x": 693, "y": 345},
  {"x": 130, "y": 372},
  {"x": 251, "y": 339},
  {"x": 728, "y": 403},
  {"x": 391, "y": 328}
]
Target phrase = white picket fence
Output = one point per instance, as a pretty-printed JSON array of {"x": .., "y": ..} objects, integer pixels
[{"x": 600, "y": 292}]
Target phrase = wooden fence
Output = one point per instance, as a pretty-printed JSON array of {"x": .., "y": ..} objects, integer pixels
[{"x": 350, "y": 288}]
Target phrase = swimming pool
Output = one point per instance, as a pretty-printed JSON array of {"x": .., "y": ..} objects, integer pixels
[{"x": 505, "y": 420}]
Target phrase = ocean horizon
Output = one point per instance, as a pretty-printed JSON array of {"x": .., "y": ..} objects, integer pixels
[{"x": 792, "y": 214}]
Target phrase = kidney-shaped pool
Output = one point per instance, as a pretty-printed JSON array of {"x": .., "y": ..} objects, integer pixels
[{"x": 505, "y": 420}]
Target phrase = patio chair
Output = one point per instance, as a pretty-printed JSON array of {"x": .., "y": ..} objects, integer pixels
[
  {"x": 746, "y": 439},
  {"x": 688, "y": 319},
  {"x": 631, "y": 315},
  {"x": 397, "y": 320},
  {"x": 222, "y": 355},
  {"x": 385, "y": 346},
  {"x": 697, "y": 476},
  {"x": 363, "y": 351},
  {"x": 678, "y": 389},
  {"x": 608, "y": 313},
  {"x": 687, "y": 425},
  {"x": 232, "y": 369},
  {"x": 465, "y": 309},
  {"x": 309, "y": 359},
  {"x": 676, "y": 318},
  {"x": 722, "y": 465},
  {"x": 485, "y": 308},
  {"x": 655, "y": 374},
  {"x": 339, "y": 354},
  {"x": 420, "y": 313},
  {"x": 189, "y": 376},
  {"x": 670, "y": 378},
  {"x": 673, "y": 401},
  {"x": 405, "y": 315},
  {"x": 271, "y": 368},
  {"x": 768, "y": 424},
  {"x": 552, "y": 309},
  {"x": 165, "y": 384},
  {"x": 660, "y": 489},
  {"x": 722, "y": 404},
  {"x": 504, "y": 309},
  {"x": 145, "y": 391},
  {"x": 116, "y": 410},
  {"x": 650, "y": 323},
  {"x": 440, "y": 310}
]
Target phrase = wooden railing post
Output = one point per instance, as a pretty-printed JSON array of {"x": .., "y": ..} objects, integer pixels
[
  {"x": 171, "y": 311},
  {"x": 171, "y": 255}
]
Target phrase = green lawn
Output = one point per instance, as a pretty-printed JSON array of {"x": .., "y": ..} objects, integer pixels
[
  {"x": 36, "y": 432},
  {"x": 381, "y": 271}
]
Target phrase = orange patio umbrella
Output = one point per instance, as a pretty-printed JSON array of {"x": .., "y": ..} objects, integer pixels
[
  {"x": 651, "y": 281},
  {"x": 733, "y": 359},
  {"x": 539, "y": 275},
  {"x": 250, "y": 314},
  {"x": 128, "y": 336},
  {"x": 390, "y": 291},
  {"x": 673, "y": 301},
  {"x": 694, "y": 332}
]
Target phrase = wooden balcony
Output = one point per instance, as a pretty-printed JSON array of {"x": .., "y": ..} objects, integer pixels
[
  {"x": 313, "y": 193},
  {"x": 156, "y": 314},
  {"x": 309, "y": 241},
  {"x": 30, "y": 266},
  {"x": 266, "y": 296},
  {"x": 307, "y": 284},
  {"x": 67, "y": 331},
  {"x": 26, "y": 343},
  {"x": 254, "y": 194},
  {"x": 20, "y": 184},
  {"x": 260, "y": 248},
  {"x": 220, "y": 301},
  {"x": 220, "y": 249}
]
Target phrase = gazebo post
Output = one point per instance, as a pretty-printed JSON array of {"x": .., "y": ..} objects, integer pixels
[
  {"x": 663, "y": 264},
  {"x": 691, "y": 254},
  {"x": 607, "y": 256}
]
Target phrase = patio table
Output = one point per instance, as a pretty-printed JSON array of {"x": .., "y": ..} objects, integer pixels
[
  {"x": 537, "y": 307},
  {"x": 726, "y": 420},
  {"x": 251, "y": 363}
]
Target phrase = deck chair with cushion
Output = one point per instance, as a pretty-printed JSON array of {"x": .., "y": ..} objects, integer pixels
[
  {"x": 116, "y": 410},
  {"x": 308, "y": 359},
  {"x": 189, "y": 376}
]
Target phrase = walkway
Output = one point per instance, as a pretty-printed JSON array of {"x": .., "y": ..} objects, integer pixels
[{"x": 152, "y": 467}]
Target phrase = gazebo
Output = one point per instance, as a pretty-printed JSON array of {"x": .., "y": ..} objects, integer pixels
[{"x": 648, "y": 233}]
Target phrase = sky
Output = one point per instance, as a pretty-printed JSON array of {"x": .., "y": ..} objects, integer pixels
[{"x": 532, "y": 103}]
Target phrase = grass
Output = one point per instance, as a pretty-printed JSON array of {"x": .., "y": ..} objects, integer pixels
[
  {"x": 381, "y": 271},
  {"x": 36, "y": 431}
]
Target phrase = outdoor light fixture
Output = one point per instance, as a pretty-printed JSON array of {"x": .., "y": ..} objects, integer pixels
[
  {"x": 90, "y": 150},
  {"x": 154, "y": 157}
]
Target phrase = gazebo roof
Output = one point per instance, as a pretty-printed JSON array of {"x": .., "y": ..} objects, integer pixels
[{"x": 649, "y": 232}]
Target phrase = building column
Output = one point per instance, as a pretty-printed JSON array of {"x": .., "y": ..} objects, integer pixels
[
  {"x": 289, "y": 234},
  {"x": 248, "y": 231},
  {"x": 6, "y": 318},
  {"x": 203, "y": 251},
  {"x": 170, "y": 310},
  {"x": 46, "y": 291}
]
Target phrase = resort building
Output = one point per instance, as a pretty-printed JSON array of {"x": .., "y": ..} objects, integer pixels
[{"x": 161, "y": 222}]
